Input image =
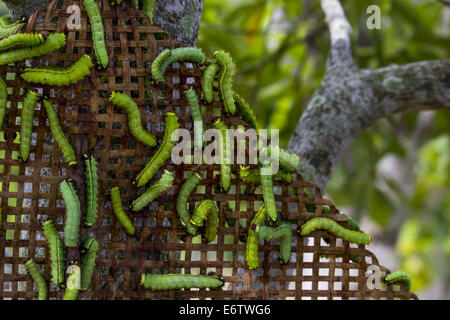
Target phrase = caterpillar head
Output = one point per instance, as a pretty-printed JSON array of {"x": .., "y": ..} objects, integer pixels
[{"x": 282, "y": 262}]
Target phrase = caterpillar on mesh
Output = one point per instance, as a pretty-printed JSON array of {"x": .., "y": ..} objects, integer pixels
[
  {"x": 57, "y": 254},
  {"x": 89, "y": 250},
  {"x": 7, "y": 27},
  {"x": 180, "y": 281},
  {"x": 401, "y": 277},
  {"x": 59, "y": 76},
  {"x": 67, "y": 150},
  {"x": 38, "y": 278},
  {"x": 73, "y": 213},
  {"x": 208, "y": 80},
  {"x": 334, "y": 228},
  {"x": 226, "y": 74},
  {"x": 252, "y": 244},
  {"x": 353, "y": 225},
  {"x": 156, "y": 65},
  {"x": 267, "y": 190},
  {"x": 155, "y": 190},
  {"x": 245, "y": 111},
  {"x": 26, "y": 123},
  {"x": 179, "y": 54},
  {"x": 53, "y": 42},
  {"x": 288, "y": 161},
  {"x": 207, "y": 210},
  {"x": 284, "y": 233},
  {"x": 98, "y": 36},
  {"x": 196, "y": 113},
  {"x": 182, "y": 201},
  {"x": 254, "y": 175},
  {"x": 73, "y": 282},
  {"x": 225, "y": 168},
  {"x": 148, "y": 7},
  {"x": 127, "y": 104},
  {"x": 118, "y": 211},
  {"x": 90, "y": 173},
  {"x": 22, "y": 40},
  {"x": 3, "y": 101},
  {"x": 163, "y": 152}
]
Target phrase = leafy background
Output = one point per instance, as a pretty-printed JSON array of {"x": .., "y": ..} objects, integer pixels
[{"x": 395, "y": 178}]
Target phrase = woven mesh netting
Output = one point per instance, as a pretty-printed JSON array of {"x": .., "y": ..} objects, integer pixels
[{"x": 30, "y": 193}]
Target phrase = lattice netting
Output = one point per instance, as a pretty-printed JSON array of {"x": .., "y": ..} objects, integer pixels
[{"x": 30, "y": 193}]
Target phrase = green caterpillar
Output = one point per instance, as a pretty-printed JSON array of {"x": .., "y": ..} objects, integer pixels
[
  {"x": 334, "y": 228},
  {"x": 226, "y": 74},
  {"x": 90, "y": 173},
  {"x": 155, "y": 190},
  {"x": 127, "y": 104},
  {"x": 179, "y": 54},
  {"x": 59, "y": 76},
  {"x": 254, "y": 175},
  {"x": 120, "y": 214},
  {"x": 252, "y": 244},
  {"x": 182, "y": 204},
  {"x": 73, "y": 283},
  {"x": 53, "y": 42},
  {"x": 73, "y": 214},
  {"x": 163, "y": 152},
  {"x": 208, "y": 80},
  {"x": 207, "y": 210},
  {"x": 283, "y": 231},
  {"x": 3, "y": 101},
  {"x": 156, "y": 65},
  {"x": 288, "y": 161},
  {"x": 225, "y": 168},
  {"x": 38, "y": 278},
  {"x": 7, "y": 27},
  {"x": 245, "y": 111},
  {"x": 26, "y": 123},
  {"x": 98, "y": 36},
  {"x": 21, "y": 40},
  {"x": 267, "y": 190},
  {"x": 148, "y": 7},
  {"x": 180, "y": 281},
  {"x": 57, "y": 256},
  {"x": 90, "y": 250},
  {"x": 196, "y": 113},
  {"x": 399, "y": 276},
  {"x": 353, "y": 225},
  {"x": 58, "y": 134}
]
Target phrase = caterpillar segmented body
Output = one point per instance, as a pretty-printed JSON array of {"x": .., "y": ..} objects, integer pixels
[
  {"x": 225, "y": 168},
  {"x": 288, "y": 161},
  {"x": 127, "y": 104},
  {"x": 180, "y": 54},
  {"x": 180, "y": 281},
  {"x": 148, "y": 7},
  {"x": 252, "y": 244},
  {"x": 155, "y": 190},
  {"x": 226, "y": 74},
  {"x": 73, "y": 283},
  {"x": 98, "y": 36},
  {"x": 156, "y": 65},
  {"x": 163, "y": 152},
  {"x": 53, "y": 42},
  {"x": 57, "y": 254},
  {"x": 26, "y": 123},
  {"x": 120, "y": 213},
  {"x": 196, "y": 113},
  {"x": 59, "y": 76},
  {"x": 21, "y": 40},
  {"x": 7, "y": 27},
  {"x": 90, "y": 247},
  {"x": 3, "y": 101},
  {"x": 182, "y": 201},
  {"x": 90, "y": 172},
  {"x": 284, "y": 233},
  {"x": 67, "y": 150},
  {"x": 207, "y": 210},
  {"x": 38, "y": 278},
  {"x": 267, "y": 190},
  {"x": 334, "y": 228},
  {"x": 73, "y": 214},
  {"x": 245, "y": 111},
  {"x": 207, "y": 82},
  {"x": 401, "y": 277},
  {"x": 353, "y": 225},
  {"x": 254, "y": 175}
]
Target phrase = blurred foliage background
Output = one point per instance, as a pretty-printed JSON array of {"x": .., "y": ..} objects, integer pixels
[{"x": 395, "y": 178}]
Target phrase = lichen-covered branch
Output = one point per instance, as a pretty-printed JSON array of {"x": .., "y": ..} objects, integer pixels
[{"x": 24, "y": 8}]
